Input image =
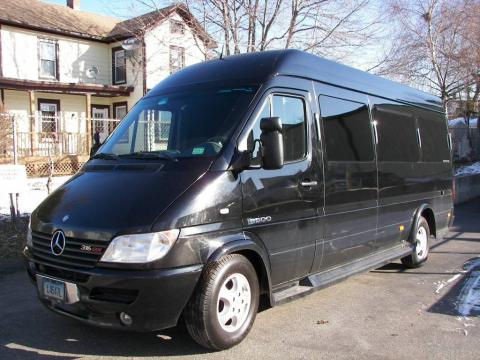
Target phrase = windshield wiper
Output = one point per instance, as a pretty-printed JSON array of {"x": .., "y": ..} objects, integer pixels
[
  {"x": 105, "y": 156},
  {"x": 149, "y": 155}
]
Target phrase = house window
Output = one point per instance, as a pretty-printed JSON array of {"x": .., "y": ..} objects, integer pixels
[
  {"x": 177, "y": 27},
  {"x": 177, "y": 58},
  {"x": 48, "y": 110},
  {"x": 119, "y": 111},
  {"x": 119, "y": 66},
  {"x": 48, "y": 55}
]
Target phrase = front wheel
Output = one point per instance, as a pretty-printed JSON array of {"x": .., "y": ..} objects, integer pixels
[
  {"x": 421, "y": 247},
  {"x": 223, "y": 308}
]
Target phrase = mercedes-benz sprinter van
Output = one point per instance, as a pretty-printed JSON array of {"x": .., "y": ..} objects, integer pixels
[{"x": 266, "y": 175}]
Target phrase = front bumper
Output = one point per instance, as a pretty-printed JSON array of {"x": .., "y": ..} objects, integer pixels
[{"x": 154, "y": 299}]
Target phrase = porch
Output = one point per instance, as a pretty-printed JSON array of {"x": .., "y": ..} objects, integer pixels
[
  {"x": 62, "y": 139},
  {"x": 43, "y": 122}
]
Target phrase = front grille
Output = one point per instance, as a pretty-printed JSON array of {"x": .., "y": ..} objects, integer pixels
[
  {"x": 121, "y": 296},
  {"x": 69, "y": 275},
  {"x": 72, "y": 257}
]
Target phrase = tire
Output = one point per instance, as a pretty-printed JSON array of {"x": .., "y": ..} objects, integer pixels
[
  {"x": 420, "y": 238},
  {"x": 216, "y": 317}
]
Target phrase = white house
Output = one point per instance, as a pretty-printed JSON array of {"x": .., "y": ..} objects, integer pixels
[{"x": 61, "y": 67}]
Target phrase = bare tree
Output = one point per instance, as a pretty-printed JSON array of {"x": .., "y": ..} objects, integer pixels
[
  {"x": 332, "y": 28},
  {"x": 325, "y": 27},
  {"x": 429, "y": 47},
  {"x": 470, "y": 59}
]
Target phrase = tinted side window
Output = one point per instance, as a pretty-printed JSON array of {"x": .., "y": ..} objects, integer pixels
[
  {"x": 291, "y": 111},
  {"x": 397, "y": 134},
  {"x": 434, "y": 136},
  {"x": 348, "y": 135}
]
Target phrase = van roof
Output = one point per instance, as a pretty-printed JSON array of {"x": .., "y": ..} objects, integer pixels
[{"x": 258, "y": 67}]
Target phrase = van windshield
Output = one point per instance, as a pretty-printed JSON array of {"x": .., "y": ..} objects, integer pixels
[{"x": 194, "y": 123}]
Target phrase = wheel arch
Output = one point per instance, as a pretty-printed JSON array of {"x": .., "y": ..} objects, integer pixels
[
  {"x": 257, "y": 257},
  {"x": 425, "y": 211}
]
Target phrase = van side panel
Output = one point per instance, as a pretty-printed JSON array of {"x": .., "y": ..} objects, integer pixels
[
  {"x": 406, "y": 181},
  {"x": 350, "y": 185}
]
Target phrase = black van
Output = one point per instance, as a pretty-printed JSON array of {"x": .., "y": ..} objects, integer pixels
[{"x": 267, "y": 175}]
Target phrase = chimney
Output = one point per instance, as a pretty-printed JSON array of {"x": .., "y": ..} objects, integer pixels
[{"x": 73, "y": 4}]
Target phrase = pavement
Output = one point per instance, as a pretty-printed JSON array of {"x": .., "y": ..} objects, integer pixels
[{"x": 391, "y": 313}]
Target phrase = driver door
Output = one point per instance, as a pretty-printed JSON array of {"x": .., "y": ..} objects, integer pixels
[{"x": 281, "y": 207}]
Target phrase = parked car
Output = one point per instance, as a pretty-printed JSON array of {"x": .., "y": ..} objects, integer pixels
[{"x": 268, "y": 175}]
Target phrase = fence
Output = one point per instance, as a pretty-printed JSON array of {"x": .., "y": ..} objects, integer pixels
[
  {"x": 7, "y": 137},
  {"x": 465, "y": 144},
  {"x": 53, "y": 137}
]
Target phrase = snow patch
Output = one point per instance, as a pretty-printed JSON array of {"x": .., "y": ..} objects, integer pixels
[
  {"x": 461, "y": 122},
  {"x": 468, "y": 170},
  {"x": 442, "y": 284},
  {"x": 469, "y": 298},
  {"x": 30, "y": 199}
]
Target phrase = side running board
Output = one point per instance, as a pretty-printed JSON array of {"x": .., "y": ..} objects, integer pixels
[{"x": 329, "y": 277}]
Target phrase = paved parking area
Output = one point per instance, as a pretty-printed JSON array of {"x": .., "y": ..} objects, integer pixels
[{"x": 389, "y": 313}]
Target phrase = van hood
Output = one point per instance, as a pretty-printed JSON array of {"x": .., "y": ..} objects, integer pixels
[{"x": 108, "y": 198}]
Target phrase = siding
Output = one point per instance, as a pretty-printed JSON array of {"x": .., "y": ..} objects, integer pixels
[
  {"x": 158, "y": 41},
  {"x": 134, "y": 75},
  {"x": 18, "y": 103},
  {"x": 20, "y": 56},
  {"x": 72, "y": 109},
  {"x": 20, "y": 61}
]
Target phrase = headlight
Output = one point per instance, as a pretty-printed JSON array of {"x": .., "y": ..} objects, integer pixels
[
  {"x": 29, "y": 234},
  {"x": 140, "y": 248}
]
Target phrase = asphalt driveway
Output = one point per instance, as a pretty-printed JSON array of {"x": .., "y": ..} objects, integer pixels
[{"x": 390, "y": 313}]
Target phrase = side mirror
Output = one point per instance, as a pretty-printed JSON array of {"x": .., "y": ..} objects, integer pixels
[{"x": 272, "y": 143}]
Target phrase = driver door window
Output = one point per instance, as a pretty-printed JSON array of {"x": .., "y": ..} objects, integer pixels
[{"x": 291, "y": 111}]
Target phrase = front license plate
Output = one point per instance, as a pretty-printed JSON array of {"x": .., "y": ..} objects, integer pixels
[{"x": 54, "y": 289}]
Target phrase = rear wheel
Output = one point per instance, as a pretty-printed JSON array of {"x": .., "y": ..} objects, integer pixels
[
  {"x": 420, "y": 240},
  {"x": 225, "y": 303}
]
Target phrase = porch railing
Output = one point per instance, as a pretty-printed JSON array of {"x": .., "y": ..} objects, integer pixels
[{"x": 43, "y": 136}]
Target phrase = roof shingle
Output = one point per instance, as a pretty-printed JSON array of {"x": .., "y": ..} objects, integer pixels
[
  {"x": 62, "y": 19},
  {"x": 37, "y": 14}
]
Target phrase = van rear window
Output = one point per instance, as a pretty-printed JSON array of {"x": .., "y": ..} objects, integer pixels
[
  {"x": 397, "y": 134},
  {"x": 348, "y": 133}
]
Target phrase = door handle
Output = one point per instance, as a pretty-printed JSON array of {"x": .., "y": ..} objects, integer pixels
[{"x": 308, "y": 183}]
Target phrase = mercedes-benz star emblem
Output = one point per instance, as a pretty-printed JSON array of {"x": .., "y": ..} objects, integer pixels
[{"x": 57, "y": 245}]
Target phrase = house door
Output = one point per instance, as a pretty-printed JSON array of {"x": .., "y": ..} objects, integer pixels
[
  {"x": 100, "y": 123},
  {"x": 49, "y": 137},
  {"x": 48, "y": 115}
]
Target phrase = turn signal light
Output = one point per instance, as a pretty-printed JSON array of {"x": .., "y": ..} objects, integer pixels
[{"x": 126, "y": 319}]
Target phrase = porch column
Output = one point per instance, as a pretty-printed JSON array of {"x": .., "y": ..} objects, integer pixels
[
  {"x": 33, "y": 134},
  {"x": 89, "y": 122}
]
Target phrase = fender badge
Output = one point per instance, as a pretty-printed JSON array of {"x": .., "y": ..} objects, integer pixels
[{"x": 65, "y": 218}]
